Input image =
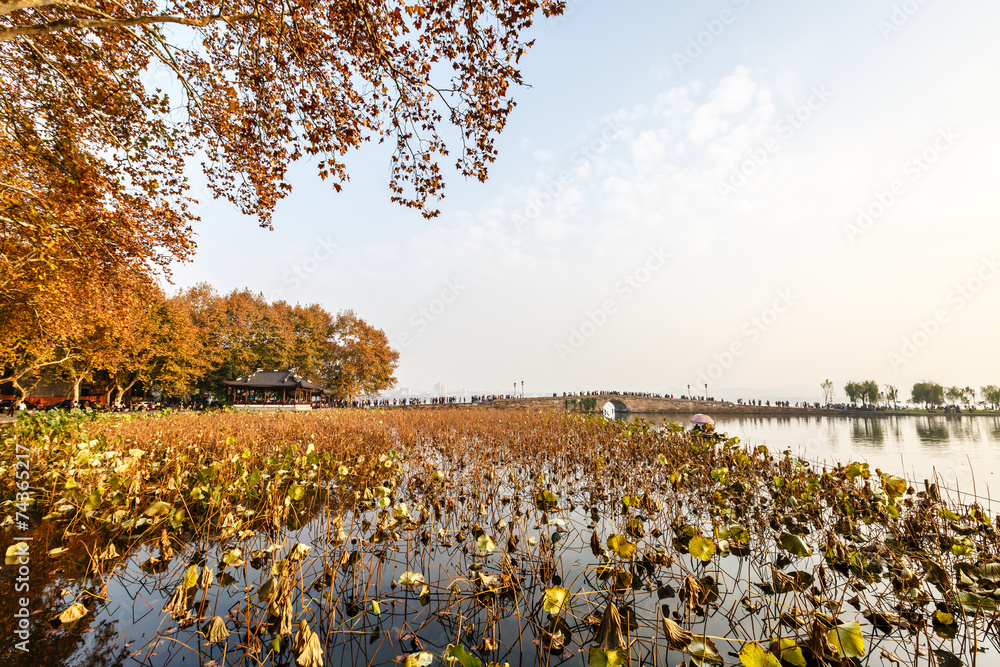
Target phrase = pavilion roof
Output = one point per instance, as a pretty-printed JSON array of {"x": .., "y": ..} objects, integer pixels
[{"x": 273, "y": 379}]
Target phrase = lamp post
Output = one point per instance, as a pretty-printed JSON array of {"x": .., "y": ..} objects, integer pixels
[
  {"x": 522, "y": 388},
  {"x": 706, "y": 391},
  {"x": 689, "y": 392}
]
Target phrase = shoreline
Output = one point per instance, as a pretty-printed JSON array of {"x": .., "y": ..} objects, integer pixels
[
  {"x": 716, "y": 409},
  {"x": 711, "y": 408}
]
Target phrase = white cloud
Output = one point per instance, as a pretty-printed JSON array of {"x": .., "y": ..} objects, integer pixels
[{"x": 655, "y": 183}]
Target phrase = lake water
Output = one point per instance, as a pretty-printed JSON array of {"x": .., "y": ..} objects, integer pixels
[
  {"x": 367, "y": 618},
  {"x": 963, "y": 451}
]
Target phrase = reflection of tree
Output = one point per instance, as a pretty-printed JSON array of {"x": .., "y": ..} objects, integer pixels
[
  {"x": 964, "y": 430},
  {"x": 931, "y": 431},
  {"x": 867, "y": 431},
  {"x": 47, "y": 645},
  {"x": 995, "y": 428},
  {"x": 894, "y": 428}
]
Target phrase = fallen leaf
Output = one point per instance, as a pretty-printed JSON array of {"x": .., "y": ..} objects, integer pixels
[
  {"x": 677, "y": 637},
  {"x": 72, "y": 614},
  {"x": 215, "y": 631}
]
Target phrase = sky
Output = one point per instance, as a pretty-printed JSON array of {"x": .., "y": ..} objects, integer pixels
[{"x": 752, "y": 195}]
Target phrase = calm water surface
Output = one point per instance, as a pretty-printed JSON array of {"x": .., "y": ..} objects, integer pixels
[
  {"x": 128, "y": 626},
  {"x": 962, "y": 450}
]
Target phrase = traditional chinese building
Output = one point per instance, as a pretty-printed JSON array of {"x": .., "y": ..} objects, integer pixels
[{"x": 276, "y": 389}]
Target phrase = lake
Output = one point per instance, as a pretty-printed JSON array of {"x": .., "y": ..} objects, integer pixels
[
  {"x": 962, "y": 450},
  {"x": 503, "y": 537}
]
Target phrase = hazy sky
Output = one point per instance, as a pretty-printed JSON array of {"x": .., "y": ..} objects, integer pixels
[{"x": 746, "y": 193}]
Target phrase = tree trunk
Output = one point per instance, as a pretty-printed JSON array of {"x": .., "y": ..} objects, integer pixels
[
  {"x": 120, "y": 389},
  {"x": 24, "y": 390},
  {"x": 76, "y": 391},
  {"x": 20, "y": 393}
]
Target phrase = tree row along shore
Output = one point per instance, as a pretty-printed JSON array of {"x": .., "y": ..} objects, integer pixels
[{"x": 677, "y": 406}]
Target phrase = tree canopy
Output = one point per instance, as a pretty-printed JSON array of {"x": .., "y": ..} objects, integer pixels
[
  {"x": 104, "y": 107},
  {"x": 242, "y": 332},
  {"x": 991, "y": 395},
  {"x": 357, "y": 359},
  {"x": 197, "y": 339},
  {"x": 928, "y": 393}
]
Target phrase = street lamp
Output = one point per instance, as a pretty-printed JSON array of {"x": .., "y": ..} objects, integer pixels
[
  {"x": 522, "y": 388},
  {"x": 706, "y": 391}
]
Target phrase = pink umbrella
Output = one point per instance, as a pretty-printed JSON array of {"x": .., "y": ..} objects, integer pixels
[{"x": 702, "y": 419}]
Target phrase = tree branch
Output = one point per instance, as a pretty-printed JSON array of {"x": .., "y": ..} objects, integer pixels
[
  {"x": 16, "y": 5},
  {"x": 81, "y": 24}
]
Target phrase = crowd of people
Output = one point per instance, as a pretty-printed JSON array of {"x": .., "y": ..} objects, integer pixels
[
  {"x": 777, "y": 404},
  {"x": 636, "y": 394},
  {"x": 491, "y": 397}
]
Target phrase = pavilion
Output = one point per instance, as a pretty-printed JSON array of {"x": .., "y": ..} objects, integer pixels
[{"x": 274, "y": 390}]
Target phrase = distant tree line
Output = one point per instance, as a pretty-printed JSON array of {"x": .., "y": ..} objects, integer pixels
[
  {"x": 927, "y": 394},
  {"x": 195, "y": 340}
]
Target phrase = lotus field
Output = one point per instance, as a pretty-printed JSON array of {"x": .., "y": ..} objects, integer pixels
[{"x": 475, "y": 538}]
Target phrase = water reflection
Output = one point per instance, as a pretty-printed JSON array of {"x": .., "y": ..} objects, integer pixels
[
  {"x": 932, "y": 431},
  {"x": 867, "y": 431},
  {"x": 54, "y": 583},
  {"x": 129, "y": 626},
  {"x": 128, "y": 622},
  {"x": 917, "y": 446}
]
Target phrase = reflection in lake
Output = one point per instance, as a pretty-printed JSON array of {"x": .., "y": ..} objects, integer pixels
[
  {"x": 931, "y": 431},
  {"x": 962, "y": 451},
  {"x": 506, "y": 558},
  {"x": 868, "y": 431}
]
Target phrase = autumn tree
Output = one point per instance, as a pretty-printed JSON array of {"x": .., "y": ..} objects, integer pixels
[
  {"x": 26, "y": 351},
  {"x": 73, "y": 338},
  {"x": 312, "y": 328},
  {"x": 360, "y": 361},
  {"x": 247, "y": 332},
  {"x": 104, "y": 105},
  {"x": 162, "y": 349}
]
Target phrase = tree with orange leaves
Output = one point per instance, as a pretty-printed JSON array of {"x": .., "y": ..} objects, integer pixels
[
  {"x": 103, "y": 105},
  {"x": 158, "y": 346},
  {"x": 360, "y": 361}
]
